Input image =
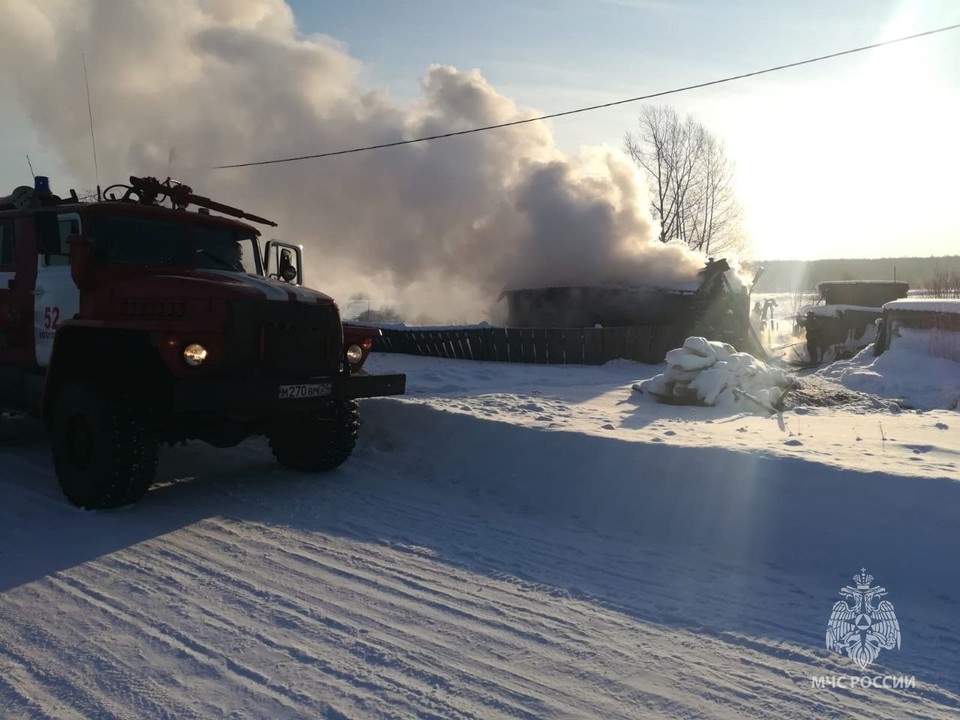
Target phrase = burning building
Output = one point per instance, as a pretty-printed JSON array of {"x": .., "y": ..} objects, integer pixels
[{"x": 715, "y": 305}]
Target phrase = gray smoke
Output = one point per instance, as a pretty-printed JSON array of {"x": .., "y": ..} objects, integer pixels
[{"x": 438, "y": 228}]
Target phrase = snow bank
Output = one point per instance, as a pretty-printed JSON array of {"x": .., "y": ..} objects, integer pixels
[
  {"x": 714, "y": 373},
  {"x": 908, "y": 371}
]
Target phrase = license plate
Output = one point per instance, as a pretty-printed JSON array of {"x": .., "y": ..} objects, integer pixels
[{"x": 302, "y": 392}]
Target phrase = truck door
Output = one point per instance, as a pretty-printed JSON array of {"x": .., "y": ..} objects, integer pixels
[{"x": 56, "y": 297}]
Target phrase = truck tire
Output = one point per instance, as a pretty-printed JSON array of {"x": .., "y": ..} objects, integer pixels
[
  {"x": 104, "y": 454},
  {"x": 317, "y": 441}
]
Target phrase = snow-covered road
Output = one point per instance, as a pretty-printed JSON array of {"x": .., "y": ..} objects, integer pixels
[{"x": 525, "y": 542}]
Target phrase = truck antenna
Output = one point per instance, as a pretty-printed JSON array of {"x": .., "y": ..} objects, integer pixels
[
  {"x": 93, "y": 139},
  {"x": 30, "y": 165}
]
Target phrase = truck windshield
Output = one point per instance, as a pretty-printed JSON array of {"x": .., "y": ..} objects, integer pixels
[
  {"x": 219, "y": 248},
  {"x": 139, "y": 241},
  {"x": 136, "y": 241}
]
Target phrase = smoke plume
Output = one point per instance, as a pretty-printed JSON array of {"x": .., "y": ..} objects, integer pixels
[{"x": 438, "y": 228}]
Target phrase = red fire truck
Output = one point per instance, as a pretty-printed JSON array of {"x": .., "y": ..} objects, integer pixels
[{"x": 134, "y": 320}]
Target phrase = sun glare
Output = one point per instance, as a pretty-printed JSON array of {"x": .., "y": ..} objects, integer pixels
[{"x": 843, "y": 165}]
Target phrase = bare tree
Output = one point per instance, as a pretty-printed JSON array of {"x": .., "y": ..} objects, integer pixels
[
  {"x": 691, "y": 180},
  {"x": 944, "y": 283}
]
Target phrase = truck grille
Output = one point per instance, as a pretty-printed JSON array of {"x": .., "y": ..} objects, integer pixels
[{"x": 283, "y": 339}]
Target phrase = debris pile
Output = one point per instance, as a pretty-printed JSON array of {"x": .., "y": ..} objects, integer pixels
[{"x": 714, "y": 373}]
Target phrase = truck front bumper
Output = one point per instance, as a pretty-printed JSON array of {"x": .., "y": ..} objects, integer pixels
[{"x": 280, "y": 395}]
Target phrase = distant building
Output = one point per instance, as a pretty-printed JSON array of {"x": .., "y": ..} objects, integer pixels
[{"x": 942, "y": 317}]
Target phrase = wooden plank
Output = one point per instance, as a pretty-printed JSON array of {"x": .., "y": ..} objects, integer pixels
[
  {"x": 426, "y": 343},
  {"x": 500, "y": 351},
  {"x": 389, "y": 341},
  {"x": 658, "y": 340},
  {"x": 482, "y": 351},
  {"x": 452, "y": 344},
  {"x": 573, "y": 346},
  {"x": 411, "y": 345},
  {"x": 403, "y": 342},
  {"x": 514, "y": 345},
  {"x": 554, "y": 346},
  {"x": 630, "y": 342},
  {"x": 489, "y": 345},
  {"x": 593, "y": 346},
  {"x": 440, "y": 342},
  {"x": 423, "y": 347},
  {"x": 430, "y": 344},
  {"x": 463, "y": 341},
  {"x": 646, "y": 344},
  {"x": 637, "y": 343},
  {"x": 539, "y": 344},
  {"x": 648, "y": 352},
  {"x": 614, "y": 343},
  {"x": 636, "y": 346},
  {"x": 667, "y": 337},
  {"x": 458, "y": 345},
  {"x": 473, "y": 340},
  {"x": 399, "y": 341},
  {"x": 527, "y": 346},
  {"x": 480, "y": 346},
  {"x": 443, "y": 343}
]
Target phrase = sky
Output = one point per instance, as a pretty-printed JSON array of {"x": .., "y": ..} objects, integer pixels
[{"x": 854, "y": 157}]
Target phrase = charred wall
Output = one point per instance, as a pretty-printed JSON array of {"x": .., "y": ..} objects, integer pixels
[{"x": 580, "y": 307}]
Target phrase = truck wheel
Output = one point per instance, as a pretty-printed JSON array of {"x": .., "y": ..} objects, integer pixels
[
  {"x": 317, "y": 441},
  {"x": 104, "y": 455}
]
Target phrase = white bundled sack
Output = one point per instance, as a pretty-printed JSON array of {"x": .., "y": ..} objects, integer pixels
[{"x": 713, "y": 373}]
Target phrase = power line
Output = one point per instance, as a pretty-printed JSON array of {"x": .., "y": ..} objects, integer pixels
[{"x": 564, "y": 113}]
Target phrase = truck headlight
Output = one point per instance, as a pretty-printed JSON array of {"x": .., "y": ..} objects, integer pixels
[
  {"x": 194, "y": 354},
  {"x": 354, "y": 354}
]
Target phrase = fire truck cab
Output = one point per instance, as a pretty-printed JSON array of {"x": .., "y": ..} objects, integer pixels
[{"x": 132, "y": 321}]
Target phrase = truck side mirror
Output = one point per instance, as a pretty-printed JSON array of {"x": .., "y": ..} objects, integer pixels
[
  {"x": 288, "y": 259},
  {"x": 81, "y": 261},
  {"x": 287, "y": 269}
]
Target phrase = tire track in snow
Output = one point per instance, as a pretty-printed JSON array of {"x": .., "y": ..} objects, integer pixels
[
  {"x": 375, "y": 593},
  {"x": 776, "y": 654},
  {"x": 625, "y": 655},
  {"x": 409, "y": 587},
  {"x": 202, "y": 655},
  {"x": 191, "y": 545},
  {"x": 182, "y": 562},
  {"x": 111, "y": 690},
  {"x": 426, "y": 577},
  {"x": 274, "y": 626},
  {"x": 22, "y": 691},
  {"x": 421, "y": 561}
]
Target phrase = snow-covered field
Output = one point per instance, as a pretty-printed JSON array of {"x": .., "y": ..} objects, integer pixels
[{"x": 508, "y": 541}]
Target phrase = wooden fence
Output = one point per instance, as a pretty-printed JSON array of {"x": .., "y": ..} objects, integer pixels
[{"x": 581, "y": 346}]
